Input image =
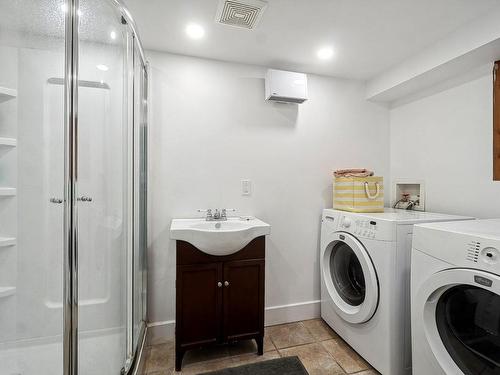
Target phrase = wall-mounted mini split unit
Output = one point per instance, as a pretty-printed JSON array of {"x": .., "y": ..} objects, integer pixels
[
  {"x": 240, "y": 13},
  {"x": 286, "y": 87}
]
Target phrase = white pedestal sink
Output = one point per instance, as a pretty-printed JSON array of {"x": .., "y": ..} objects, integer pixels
[{"x": 218, "y": 237}]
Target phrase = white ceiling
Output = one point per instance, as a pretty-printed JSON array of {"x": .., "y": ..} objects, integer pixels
[{"x": 369, "y": 36}]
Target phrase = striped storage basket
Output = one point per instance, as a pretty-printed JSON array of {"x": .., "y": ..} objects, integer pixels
[{"x": 358, "y": 194}]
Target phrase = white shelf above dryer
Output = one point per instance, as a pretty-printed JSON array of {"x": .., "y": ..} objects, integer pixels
[
  {"x": 7, "y": 192},
  {"x": 6, "y": 291},
  {"x": 7, "y": 241},
  {"x": 8, "y": 142},
  {"x": 7, "y": 94}
]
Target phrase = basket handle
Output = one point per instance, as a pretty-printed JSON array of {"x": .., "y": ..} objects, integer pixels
[{"x": 367, "y": 191}]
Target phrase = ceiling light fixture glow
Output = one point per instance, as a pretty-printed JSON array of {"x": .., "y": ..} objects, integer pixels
[
  {"x": 325, "y": 53},
  {"x": 195, "y": 31},
  {"x": 112, "y": 34},
  {"x": 102, "y": 67}
]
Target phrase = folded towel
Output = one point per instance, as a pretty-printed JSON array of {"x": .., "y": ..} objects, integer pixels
[{"x": 353, "y": 172}]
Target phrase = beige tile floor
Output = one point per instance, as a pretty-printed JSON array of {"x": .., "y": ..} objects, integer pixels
[{"x": 318, "y": 347}]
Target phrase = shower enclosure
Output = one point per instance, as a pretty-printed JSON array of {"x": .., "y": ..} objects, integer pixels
[{"x": 73, "y": 175}]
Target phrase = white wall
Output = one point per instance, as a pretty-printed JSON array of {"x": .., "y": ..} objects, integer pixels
[
  {"x": 446, "y": 140},
  {"x": 210, "y": 127}
]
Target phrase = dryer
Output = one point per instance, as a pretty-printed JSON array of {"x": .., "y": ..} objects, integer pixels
[
  {"x": 365, "y": 292},
  {"x": 455, "y": 293}
]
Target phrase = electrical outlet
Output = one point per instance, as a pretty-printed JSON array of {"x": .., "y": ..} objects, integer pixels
[{"x": 246, "y": 187}]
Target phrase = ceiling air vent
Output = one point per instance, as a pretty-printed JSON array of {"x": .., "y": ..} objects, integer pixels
[{"x": 242, "y": 13}]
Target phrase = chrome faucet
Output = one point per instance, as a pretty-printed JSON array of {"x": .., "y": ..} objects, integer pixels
[
  {"x": 218, "y": 215},
  {"x": 209, "y": 216}
]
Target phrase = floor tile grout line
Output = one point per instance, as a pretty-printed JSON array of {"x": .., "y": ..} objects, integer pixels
[
  {"x": 296, "y": 346},
  {"x": 331, "y": 355},
  {"x": 327, "y": 352},
  {"x": 342, "y": 367}
]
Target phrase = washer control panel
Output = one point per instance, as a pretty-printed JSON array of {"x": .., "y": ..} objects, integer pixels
[
  {"x": 363, "y": 228},
  {"x": 366, "y": 228},
  {"x": 489, "y": 255},
  {"x": 484, "y": 254}
]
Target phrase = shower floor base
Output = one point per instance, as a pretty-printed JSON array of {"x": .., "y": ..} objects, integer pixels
[{"x": 99, "y": 354}]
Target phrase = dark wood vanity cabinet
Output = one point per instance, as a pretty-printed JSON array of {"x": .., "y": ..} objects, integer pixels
[{"x": 219, "y": 299}]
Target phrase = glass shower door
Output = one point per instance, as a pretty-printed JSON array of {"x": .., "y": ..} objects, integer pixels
[
  {"x": 38, "y": 235},
  {"x": 103, "y": 189},
  {"x": 139, "y": 265},
  {"x": 31, "y": 186}
]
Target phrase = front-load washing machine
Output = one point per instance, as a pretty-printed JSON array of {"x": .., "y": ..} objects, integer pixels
[
  {"x": 455, "y": 293},
  {"x": 365, "y": 291}
]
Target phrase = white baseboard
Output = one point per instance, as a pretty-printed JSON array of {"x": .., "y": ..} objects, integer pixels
[
  {"x": 160, "y": 332},
  {"x": 292, "y": 312}
]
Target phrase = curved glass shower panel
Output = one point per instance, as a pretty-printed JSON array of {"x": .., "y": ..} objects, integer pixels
[
  {"x": 32, "y": 56},
  {"x": 139, "y": 269},
  {"x": 103, "y": 188},
  {"x": 110, "y": 185}
]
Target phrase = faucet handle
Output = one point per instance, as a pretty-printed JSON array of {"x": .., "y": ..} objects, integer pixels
[
  {"x": 208, "y": 211},
  {"x": 225, "y": 210}
]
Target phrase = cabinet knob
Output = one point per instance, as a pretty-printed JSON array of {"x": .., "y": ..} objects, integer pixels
[
  {"x": 219, "y": 284},
  {"x": 226, "y": 283}
]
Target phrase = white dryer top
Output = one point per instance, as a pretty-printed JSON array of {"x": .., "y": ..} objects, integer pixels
[
  {"x": 472, "y": 244},
  {"x": 487, "y": 228},
  {"x": 406, "y": 216}
]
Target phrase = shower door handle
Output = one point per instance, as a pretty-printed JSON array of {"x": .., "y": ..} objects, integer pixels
[{"x": 85, "y": 199}]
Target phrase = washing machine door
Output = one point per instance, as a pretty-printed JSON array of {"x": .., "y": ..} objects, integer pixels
[
  {"x": 350, "y": 278},
  {"x": 461, "y": 315}
]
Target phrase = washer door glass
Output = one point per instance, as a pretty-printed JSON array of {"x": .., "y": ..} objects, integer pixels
[
  {"x": 468, "y": 321},
  {"x": 347, "y": 274}
]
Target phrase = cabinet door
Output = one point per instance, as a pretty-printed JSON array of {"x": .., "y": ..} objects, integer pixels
[
  {"x": 199, "y": 301},
  {"x": 243, "y": 299}
]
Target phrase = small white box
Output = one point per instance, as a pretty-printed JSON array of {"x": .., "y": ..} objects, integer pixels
[
  {"x": 287, "y": 87},
  {"x": 415, "y": 190}
]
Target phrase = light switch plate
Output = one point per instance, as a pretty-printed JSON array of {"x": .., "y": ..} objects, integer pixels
[{"x": 246, "y": 187}]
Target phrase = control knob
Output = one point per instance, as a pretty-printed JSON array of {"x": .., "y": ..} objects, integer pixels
[{"x": 347, "y": 222}]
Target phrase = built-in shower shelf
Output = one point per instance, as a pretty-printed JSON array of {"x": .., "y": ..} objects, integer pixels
[
  {"x": 7, "y": 241},
  {"x": 7, "y": 94},
  {"x": 7, "y": 192},
  {"x": 6, "y": 291},
  {"x": 8, "y": 142}
]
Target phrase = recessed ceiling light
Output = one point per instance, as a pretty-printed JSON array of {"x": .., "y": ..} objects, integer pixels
[
  {"x": 195, "y": 31},
  {"x": 102, "y": 67},
  {"x": 112, "y": 34},
  {"x": 325, "y": 53}
]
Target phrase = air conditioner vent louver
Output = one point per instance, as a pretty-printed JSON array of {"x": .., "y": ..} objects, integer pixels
[{"x": 243, "y": 13}]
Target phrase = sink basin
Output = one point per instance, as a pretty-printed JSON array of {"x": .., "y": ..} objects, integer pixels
[{"x": 218, "y": 237}]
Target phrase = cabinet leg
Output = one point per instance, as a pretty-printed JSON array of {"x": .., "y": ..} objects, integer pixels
[
  {"x": 260, "y": 345},
  {"x": 179, "y": 354}
]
